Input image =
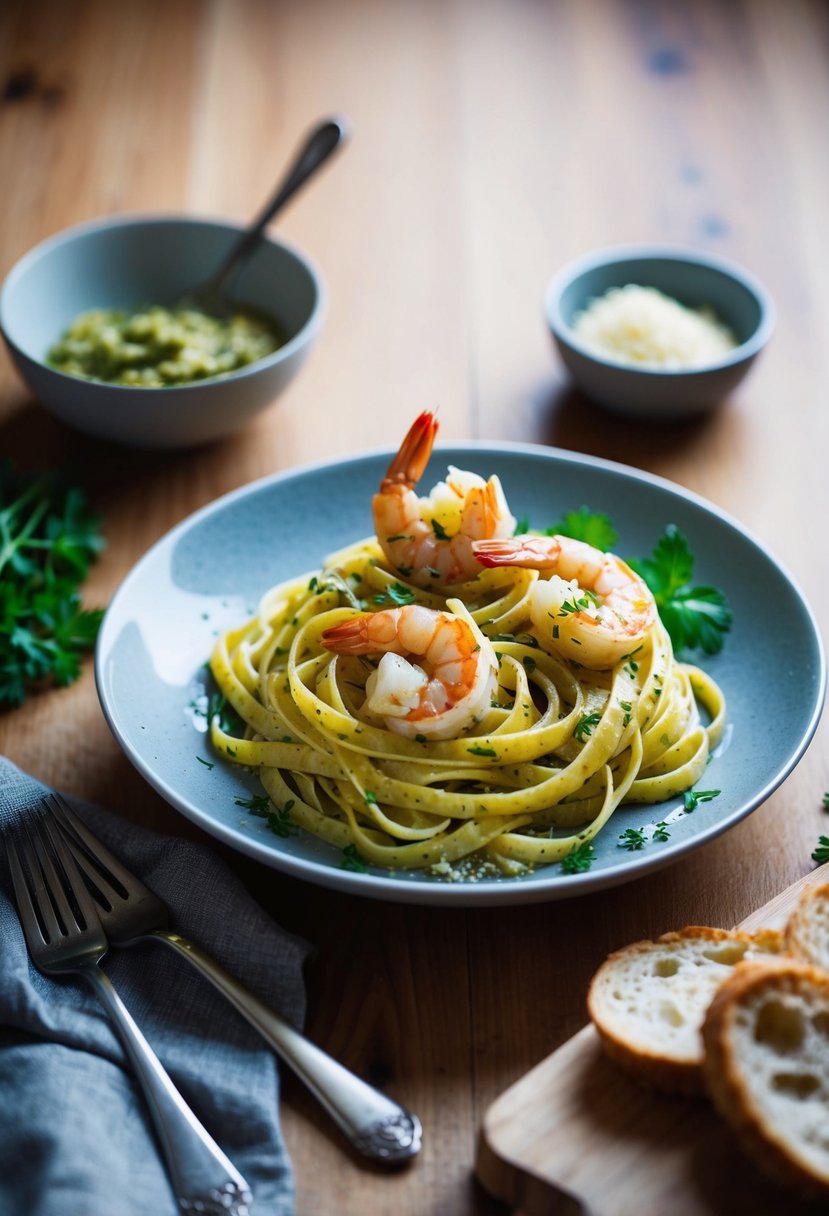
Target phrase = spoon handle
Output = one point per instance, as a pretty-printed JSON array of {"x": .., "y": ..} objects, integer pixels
[{"x": 318, "y": 146}]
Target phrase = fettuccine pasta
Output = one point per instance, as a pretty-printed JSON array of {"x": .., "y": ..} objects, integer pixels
[{"x": 536, "y": 771}]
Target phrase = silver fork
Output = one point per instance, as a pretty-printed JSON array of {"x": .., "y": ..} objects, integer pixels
[
  {"x": 376, "y": 1126},
  {"x": 64, "y": 935}
]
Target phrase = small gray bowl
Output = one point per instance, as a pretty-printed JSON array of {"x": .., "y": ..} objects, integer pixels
[
  {"x": 129, "y": 261},
  {"x": 695, "y": 280}
]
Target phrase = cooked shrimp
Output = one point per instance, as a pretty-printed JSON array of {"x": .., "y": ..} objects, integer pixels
[
  {"x": 600, "y": 610},
  {"x": 429, "y": 540},
  {"x": 439, "y": 696}
]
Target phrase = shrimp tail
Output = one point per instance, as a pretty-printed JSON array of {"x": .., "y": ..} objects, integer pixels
[
  {"x": 348, "y": 637},
  {"x": 529, "y": 552},
  {"x": 411, "y": 459}
]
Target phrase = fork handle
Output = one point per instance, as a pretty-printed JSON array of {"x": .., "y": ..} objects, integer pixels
[
  {"x": 376, "y": 1126},
  {"x": 204, "y": 1180}
]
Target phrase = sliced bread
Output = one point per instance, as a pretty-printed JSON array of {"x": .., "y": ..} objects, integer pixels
[
  {"x": 766, "y": 1036},
  {"x": 648, "y": 1000},
  {"x": 807, "y": 931}
]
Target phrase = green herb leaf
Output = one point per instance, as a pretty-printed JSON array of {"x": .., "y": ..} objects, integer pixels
[
  {"x": 584, "y": 727},
  {"x": 351, "y": 860},
  {"x": 660, "y": 831},
  {"x": 632, "y": 838},
  {"x": 257, "y": 804},
  {"x": 579, "y": 859},
  {"x": 396, "y": 593},
  {"x": 569, "y": 607},
  {"x": 692, "y": 798},
  {"x": 591, "y": 527},
  {"x": 48, "y": 540},
  {"x": 279, "y": 820},
  {"x": 439, "y": 530},
  {"x": 696, "y": 617},
  {"x": 482, "y": 751},
  {"x": 821, "y": 852}
]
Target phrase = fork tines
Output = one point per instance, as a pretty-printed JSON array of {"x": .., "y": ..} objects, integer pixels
[{"x": 50, "y": 893}]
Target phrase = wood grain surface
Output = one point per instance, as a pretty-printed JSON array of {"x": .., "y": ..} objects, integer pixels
[{"x": 492, "y": 141}]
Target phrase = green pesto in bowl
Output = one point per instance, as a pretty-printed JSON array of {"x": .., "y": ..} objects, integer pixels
[{"x": 155, "y": 347}]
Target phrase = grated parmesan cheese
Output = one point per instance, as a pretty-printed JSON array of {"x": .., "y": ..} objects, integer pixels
[{"x": 642, "y": 327}]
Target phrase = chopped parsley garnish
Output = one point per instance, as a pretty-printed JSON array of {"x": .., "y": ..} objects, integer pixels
[
  {"x": 692, "y": 798},
  {"x": 439, "y": 530},
  {"x": 695, "y": 616},
  {"x": 278, "y": 817},
  {"x": 257, "y": 804},
  {"x": 579, "y": 859},
  {"x": 351, "y": 860},
  {"x": 660, "y": 831},
  {"x": 628, "y": 709},
  {"x": 522, "y": 525},
  {"x": 482, "y": 751},
  {"x": 400, "y": 536},
  {"x": 569, "y": 607},
  {"x": 279, "y": 820},
  {"x": 370, "y": 798},
  {"x": 826, "y": 802},
  {"x": 206, "y": 763},
  {"x": 632, "y": 838},
  {"x": 396, "y": 593},
  {"x": 584, "y": 727},
  {"x": 48, "y": 540}
]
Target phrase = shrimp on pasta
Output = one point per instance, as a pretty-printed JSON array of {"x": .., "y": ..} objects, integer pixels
[
  {"x": 592, "y": 606},
  {"x": 429, "y": 540},
  {"x": 445, "y": 691}
]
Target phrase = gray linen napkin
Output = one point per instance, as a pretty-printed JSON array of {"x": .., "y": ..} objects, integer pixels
[{"x": 75, "y": 1138}]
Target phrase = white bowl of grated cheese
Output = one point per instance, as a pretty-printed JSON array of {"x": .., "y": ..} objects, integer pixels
[{"x": 656, "y": 331}]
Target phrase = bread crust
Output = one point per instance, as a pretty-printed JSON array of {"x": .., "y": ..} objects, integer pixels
[
  {"x": 654, "y": 1067},
  {"x": 725, "y": 1080},
  {"x": 806, "y": 921}
]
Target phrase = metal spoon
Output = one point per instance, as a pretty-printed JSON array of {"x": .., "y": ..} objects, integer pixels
[{"x": 211, "y": 295}]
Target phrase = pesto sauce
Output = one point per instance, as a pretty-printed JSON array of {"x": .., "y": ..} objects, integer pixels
[{"x": 155, "y": 347}]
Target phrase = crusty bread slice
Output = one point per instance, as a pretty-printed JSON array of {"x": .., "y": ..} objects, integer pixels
[
  {"x": 766, "y": 1036},
  {"x": 807, "y": 931},
  {"x": 649, "y": 999}
]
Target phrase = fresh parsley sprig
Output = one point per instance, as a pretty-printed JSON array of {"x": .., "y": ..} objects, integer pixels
[
  {"x": 695, "y": 616},
  {"x": 48, "y": 540},
  {"x": 397, "y": 594},
  {"x": 632, "y": 838},
  {"x": 579, "y": 859}
]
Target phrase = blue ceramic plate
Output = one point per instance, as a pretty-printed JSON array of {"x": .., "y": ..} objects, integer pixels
[{"x": 210, "y": 571}]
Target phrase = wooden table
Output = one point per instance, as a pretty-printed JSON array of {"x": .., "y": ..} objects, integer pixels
[{"x": 492, "y": 141}]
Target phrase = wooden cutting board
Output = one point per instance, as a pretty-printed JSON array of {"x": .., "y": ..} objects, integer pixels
[{"x": 576, "y": 1136}]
